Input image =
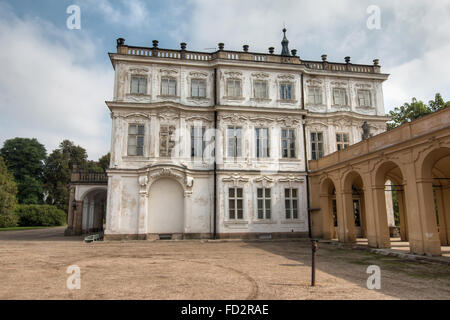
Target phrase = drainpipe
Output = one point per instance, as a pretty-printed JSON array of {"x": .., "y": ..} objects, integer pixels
[
  {"x": 215, "y": 157},
  {"x": 306, "y": 160}
]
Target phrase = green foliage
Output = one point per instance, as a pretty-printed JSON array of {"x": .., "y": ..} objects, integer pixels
[
  {"x": 104, "y": 161},
  {"x": 416, "y": 109},
  {"x": 57, "y": 171},
  {"x": 39, "y": 215},
  {"x": 8, "y": 190},
  {"x": 58, "y": 168},
  {"x": 8, "y": 221},
  {"x": 24, "y": 159}
]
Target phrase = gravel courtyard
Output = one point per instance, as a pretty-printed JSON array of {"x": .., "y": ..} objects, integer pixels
[{"x": 33, "y": 265}]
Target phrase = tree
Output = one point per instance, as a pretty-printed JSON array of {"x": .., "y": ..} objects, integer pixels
[
  {"x": 57, "y": 172},
  {"x": 104, "y": 161},
  {"x": 416, "y": 109},
  {"x": 25, "y": 160},
  {"x": 8, "y": 200},
  {"x": 438, "y": 103}
]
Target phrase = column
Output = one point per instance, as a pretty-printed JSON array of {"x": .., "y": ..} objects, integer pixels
[
  {"x": 415, "y": 206},
  {"x": 380, "y": 215},
  {"x": 427, "y": 213},
  {"x": 143, "y": 208},
  {"x": 441, "y": 216},
  {"x": 402, "y": 215},
  {"x": 445, "y": 222},
  {"x": 347, "y": 221},
  {"x": 369, "y": 212},
  {"x": 326, "y": 213}
]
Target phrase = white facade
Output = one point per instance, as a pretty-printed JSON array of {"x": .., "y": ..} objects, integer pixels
[{"x": 163, "y": 187}]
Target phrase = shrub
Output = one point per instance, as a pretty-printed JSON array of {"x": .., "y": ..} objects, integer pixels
[
  {"x": 8, "y": 221},
  {"x": 32, "y": 215}
]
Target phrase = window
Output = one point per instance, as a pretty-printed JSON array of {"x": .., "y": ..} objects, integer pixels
[
  {"x": 291, "y": 203},
  {"x": 286, "y": 91},
  {"x": 316, "y": 145},
  {"x": 342, "y": 141},
  {"x": 138, "y": 85},
  {"x": 264, "y": 203},
  {"x": 136, "y": 134},
  {"x": 234, "y": 88},
  {"x": 234, "y": 142},
  {"x": 235, "y": 203},
  {"x": 315, "y": 95},
  {"x": 262, "y": 142},
  {"x": 198, "y": 88},
  {"x": 288, "y": 143},
  {"x": 165, "y": 141},
  {"x": 339, "y": 97},
  {"x": 260, "y": 88},
  {"x": 364, "y": 98},
  {"x": 168, "y": 87},
  {"x": 198, "y": 143}
]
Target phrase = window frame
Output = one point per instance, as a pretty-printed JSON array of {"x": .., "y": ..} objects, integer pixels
[
  {"x": 266, "y": 91},
  {"x": 168, "y": 79},
  {"x": 237, "y": 142},
  {"x": 259, "y": 141},
  {"x": 195, "y": 141},
  {"x": 313, "y": 89},
  {"x": 235, "y": 198},
  {"x": 292, "y": 199},
  {"x": 368, "y": 100},
  {"x": 292, "y": 93},
  {"x": 136, "y": 136},
  {"x": 234, "y": 81},
  {"x": 290, "y": 141},
  {"x": 344, "y": 144},
  {"x": 266, "y": 212},
  {"x": 316, "y": 142},
  {"x": 198, "y": 96},
  {"x": 139, "y": 78},
  {"x": 345, "y": 102}
]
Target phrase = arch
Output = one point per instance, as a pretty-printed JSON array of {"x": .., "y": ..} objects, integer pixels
[
  {"x": 389, "y": 170},
  {"x": 81, "y": 195},
  {"x": 93, "y": 211},
  {"x": 353, "y": 220},
  {"x": 328, "y": 206},
  {"x": 166, "y": 206},
  {"x": 434, "y": 171}
]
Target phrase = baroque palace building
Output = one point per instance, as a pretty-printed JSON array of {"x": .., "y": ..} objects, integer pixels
[{"x": 216, "y": 144}]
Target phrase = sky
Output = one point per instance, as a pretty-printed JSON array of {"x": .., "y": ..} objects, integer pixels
[{"x": 54, "y": 81}]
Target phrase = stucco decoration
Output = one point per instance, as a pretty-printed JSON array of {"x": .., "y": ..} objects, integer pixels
[
  {"x": 169, "y": 114},
  {"x": 236, "y": 180},
  {"x": 143, "y": 181},
  {"x": 177, "y": 173},
  {"x": 265, "y": 181},
  {"x": 314, "y": 82},
  {"x": 286, "y": 76},
  {"x": 289, "y": 121},
  {"x": 291, "y": 179},
  {"x": 233, "y": 74},
  {"x": 260, "y": 75},
  {"x": 168, "y": 72},
  {"x": 194, "y": 74}
]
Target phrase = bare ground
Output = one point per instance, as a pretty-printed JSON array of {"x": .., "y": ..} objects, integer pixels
[{"x": 33, "y": 265}]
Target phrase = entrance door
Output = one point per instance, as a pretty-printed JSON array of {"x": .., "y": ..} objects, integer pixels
[{"x": 166, "y": 207}]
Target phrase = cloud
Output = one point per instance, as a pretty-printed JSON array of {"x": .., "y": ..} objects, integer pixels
[
  {"x": 49, "y": 87},
  {"x": 411, "y": 44},
  {"x": 130, "y": 13}
]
